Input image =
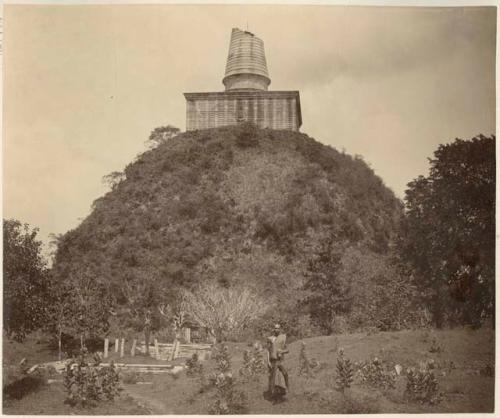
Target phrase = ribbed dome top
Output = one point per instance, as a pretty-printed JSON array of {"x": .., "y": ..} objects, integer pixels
[{"x": 246, "y": 66}]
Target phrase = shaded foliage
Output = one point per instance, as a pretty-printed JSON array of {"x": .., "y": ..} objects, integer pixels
[
  {"x": 87, "y": 383},
  {"x": 25, "y": 283},
  {"x": 205, "y": 205},
  {"x": 345, "y": 373},
  {"x": 449, "y": 231}
]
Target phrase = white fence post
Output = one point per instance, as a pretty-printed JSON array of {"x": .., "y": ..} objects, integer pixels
[
  {"x": 132, "y": 351},
  {"x": 157, "y": 349}
]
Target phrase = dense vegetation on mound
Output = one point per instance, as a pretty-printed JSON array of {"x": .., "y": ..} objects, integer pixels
[{"x": 236, "y": 205}]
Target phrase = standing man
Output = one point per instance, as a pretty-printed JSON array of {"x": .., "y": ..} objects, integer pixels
[{"x": 276, "y": 350}]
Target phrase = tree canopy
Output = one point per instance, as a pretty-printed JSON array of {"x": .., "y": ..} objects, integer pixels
[
  {"x": 449, "y": 234},
  {"x": 25, "y": 280}
]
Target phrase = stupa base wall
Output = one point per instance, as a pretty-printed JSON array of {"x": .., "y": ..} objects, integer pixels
[{"x": 267, "y": 109}]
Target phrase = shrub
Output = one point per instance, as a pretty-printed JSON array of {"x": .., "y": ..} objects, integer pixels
[
  {"x": 228, "y": 399},
  {"x": 435, "y": 347},
  {"x": 306, "y": 367},
  {"x": 193, "y": 366},
  {"x": 222, "y": 358},
  {"x": 17, "y": 383},
  {"x": 375, "y": 374},
  {"x": 87, "y": 383},
  {"x": 422, "y": 386},
  {"x": 23, "y": 386},
  {"x": 345, "y": 372},
  {"x": 253, "y": 363}
]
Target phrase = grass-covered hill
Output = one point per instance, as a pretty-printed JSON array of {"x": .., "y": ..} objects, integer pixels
[{"x": 237, "y": 205}]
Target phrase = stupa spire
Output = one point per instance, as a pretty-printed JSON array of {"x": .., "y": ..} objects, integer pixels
[
  {"x": 246, "y": 67},
  {"x": 246, "y": 98}
]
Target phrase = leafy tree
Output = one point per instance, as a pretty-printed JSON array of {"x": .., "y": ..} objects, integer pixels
[
  {"x": 161, "y": 135},
  {"x": 25, "y": 280},
  {"x": 383, "y": 290},
  {"x": 61, "y": 312},
  {"x": 113, "y": 179},
  {"x": 449, "y": 234},
  {"x": 328, "y": 294},
  {"x": 92, "y": 303}
]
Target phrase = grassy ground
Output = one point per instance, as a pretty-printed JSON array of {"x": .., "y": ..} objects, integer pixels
[
  {"x": 464, "y": 387},
  {"x": 48, "y": 399}
]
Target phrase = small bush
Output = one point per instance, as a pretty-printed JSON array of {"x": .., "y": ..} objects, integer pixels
[
  {"x": 193, "y": 366},
  {"x": 23, "y": 386},
  {"x": 422, "y": 386},
  {"x": 435, "y": 347},
  {"x": 375, "y": 374},
  {"x": 345, "y": 372},
  {"x": 253, "y": 364},
  {"x": 87, "y": 383},
  {"x": 372, "y": 331},
  {"x": 424, "y": 336},
  {"x": 222, "y": 358},
  {"x": 307, "y": 367},
  {"x": 228, "y": 399}
]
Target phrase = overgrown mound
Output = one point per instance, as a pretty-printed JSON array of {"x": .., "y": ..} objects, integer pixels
[{"x": 239, "y": 205}]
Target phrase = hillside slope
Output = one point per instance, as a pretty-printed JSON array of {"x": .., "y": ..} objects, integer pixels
[{"x": 236, "y": 205}]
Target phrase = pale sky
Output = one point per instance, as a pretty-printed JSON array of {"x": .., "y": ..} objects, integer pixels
[{"x": 85, "y": 85}]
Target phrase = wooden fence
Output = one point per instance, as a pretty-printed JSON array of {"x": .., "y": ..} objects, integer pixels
[{"x": 162, "y": 351}]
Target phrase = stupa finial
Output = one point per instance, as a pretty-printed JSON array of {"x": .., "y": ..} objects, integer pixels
[{"x": 246, "y": 67}]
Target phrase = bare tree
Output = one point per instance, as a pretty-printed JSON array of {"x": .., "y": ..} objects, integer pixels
[
  {"x": 176, "y": 316},
  {"x": 223, "y": 311}
]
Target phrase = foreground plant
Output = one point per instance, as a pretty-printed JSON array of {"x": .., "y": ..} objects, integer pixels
[
  {"x": 345, "y": 372},
  {"x": 193, "y": 366},
  {"x": 375, "y": 374},
  {"x": 307, "y": 367},
  {"x": 87, "y": 383},
  {"x": 422, "y": 386},
  {"x": 222, "y": 358},
  {"x": 228, "y": 399},
  {"x": 253, "y": 364}
]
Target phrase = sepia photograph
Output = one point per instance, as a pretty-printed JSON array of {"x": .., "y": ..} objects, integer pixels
[{"x": 248, "y": 209}]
